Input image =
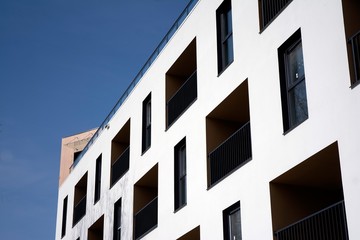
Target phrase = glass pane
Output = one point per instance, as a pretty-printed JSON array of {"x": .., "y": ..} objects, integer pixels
[
  {"x": 234, "y": 224},
  {"x": 298, "y": 104},
  {"x": 295, "y": 64},
  {"x": 228, "y": 22},
  {"x": 182, "y": 193},
  {"x": 182, "y": 161},
  {"x": 148, "y": 113},
  {"x": 228, "y": 51}
]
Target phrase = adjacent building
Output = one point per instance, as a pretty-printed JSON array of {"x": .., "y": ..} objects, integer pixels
[{"x": 243, "y": 124}]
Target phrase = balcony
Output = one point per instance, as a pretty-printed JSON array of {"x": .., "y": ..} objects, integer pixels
[
  {"x": 230, "y": 154},
  {"x": 355, "y": 51},
  {"x": 146, "y": 219},
  {"x": 326, "y": 224},
  {"x": 182, "y": 99},
  {"x": 120, "y": 166},
  {"x": 79, "y": 210},
  {"x": 270, "y": 9}
]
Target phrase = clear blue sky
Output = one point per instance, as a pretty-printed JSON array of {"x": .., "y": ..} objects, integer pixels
[{"x": 63, "y": 65}]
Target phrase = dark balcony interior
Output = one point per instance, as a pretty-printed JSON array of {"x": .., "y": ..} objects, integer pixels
[
  {"x": 96, "y": 231},
  {"x": 181, "y": 84},
  {"x": 192, "y": 235},
  {"x": 80, "y": 199},
  {"x": 228, "y": 137},
  {"x": 120, "y": 150},
  {"x": 351, "y": 9},
  {"x": 269, "y": 10},
  {"x": 145, "y": 203},
  {"x": 303, "y": 195}
]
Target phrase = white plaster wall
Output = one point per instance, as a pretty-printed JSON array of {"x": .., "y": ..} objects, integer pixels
[{"x": 333, "y": 116}]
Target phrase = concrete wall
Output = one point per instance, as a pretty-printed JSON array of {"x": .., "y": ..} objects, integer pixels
[{"x": 333, "y": 116}]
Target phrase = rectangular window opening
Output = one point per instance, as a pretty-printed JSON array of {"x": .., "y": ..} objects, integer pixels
[
  {"x": 97, "y": 179},
  {"x": 146, "y": 127},
  {"x": 232, "y": 222},
  {"x": 64, "y": 215},
  {"x": 292, "y": 81},
  {"x": 224, "y": 35},
  {"x": 180, "y": 174},
  {"x": 117, "y": 220}
]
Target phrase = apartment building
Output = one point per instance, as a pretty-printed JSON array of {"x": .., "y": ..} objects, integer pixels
[{"x": 243, "y": 124}]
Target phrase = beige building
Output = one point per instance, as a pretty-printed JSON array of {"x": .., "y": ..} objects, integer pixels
[{"x": 243, "y": 124}]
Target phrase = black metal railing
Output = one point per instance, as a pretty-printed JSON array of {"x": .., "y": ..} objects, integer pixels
[
  {"x": 355, "y": 50},
  {"x": 146, "y": 219},
  {"x": 327, "y": 224},
  {"x": 232, "y": 153},
  {"x": 138, "y": 77},
  {"x": 270, "y": 9},
  {"x": 120, "y": 166},
  {"x": 183, "y": 97},
  {"x": 79, "y": 210}
]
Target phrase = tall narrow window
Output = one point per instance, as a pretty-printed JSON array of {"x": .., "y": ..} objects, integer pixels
[
  {"x": 146, "y": 129},
  {"x": 97, "y": 179},
  {"x": 292, "y": 81},
  {"x": 180, "y": 174},
  {"x": 224, "y": 35},
  {"x": 117, "y": 220},
  {"x": 232, "y": 222},
  {"x": 64, "y": 215}
]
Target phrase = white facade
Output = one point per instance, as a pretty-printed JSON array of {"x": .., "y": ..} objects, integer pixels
[{"x": 333, "y": 115}]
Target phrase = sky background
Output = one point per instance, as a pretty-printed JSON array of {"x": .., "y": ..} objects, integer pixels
[{"x": 63, "y": 66}]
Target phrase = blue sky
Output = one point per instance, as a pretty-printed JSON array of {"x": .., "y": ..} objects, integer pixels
[{"x": 63, "y": 66}]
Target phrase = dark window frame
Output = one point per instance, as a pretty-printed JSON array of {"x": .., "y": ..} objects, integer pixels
[
  {"x": 289, "y": 105},
  {"x": 117, "y": 220},
  {"x": 146, "y": 124},
  {"x": 64, "y": 216},
  {"x": 227, "y": 220},
  {"x": 97, "y": 190},
  {"x": 180, "y": 175},
  {"x": 225, "y": 43}
]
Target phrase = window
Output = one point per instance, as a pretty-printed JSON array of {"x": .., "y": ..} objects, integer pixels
[
  {"x": 146, "y": 203},
  {"x": 316, "y": 201},
  {"x": 232, "y": 222},
  {"x": 180, "y": 174},
  {"x": 224, "y": 35},
  {"x": 117, "y": 220},
  {"x": 80, "y": 200},
  {"x": 351, "y": 16},
  {"x": 194, "y": 234},
  {"x": 97, "y": 179},
  {"x": 228, "y": 135},
  {"x": 292, "y": 81},
  {"x": 146, "y": 127},
  {"x": 120, "y": 154},
  {"x": 270, "y": 9},
  {"x": 63, "y": 226},
  {"x": 96, "y": 231},
  {"x": 181, "y": 84}
]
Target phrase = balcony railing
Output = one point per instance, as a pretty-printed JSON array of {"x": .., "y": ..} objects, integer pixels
[
  {"x": 231, "y": 154},
  {"x": 270, "y": 9},
  {"x": 138, "y": 77},
  {"x": 355, "y": 49},
  {"x": 120, "y": 166},
  {"x": 146, "y": 219},
  {"x": 79, "y": 210},
  {"x": 327, "y": 224},
  {"x": 182, "y": 99}
]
